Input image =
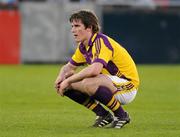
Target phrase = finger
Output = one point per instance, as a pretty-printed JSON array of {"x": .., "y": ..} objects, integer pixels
[
  {"x": 57, "y": 87},
  {"x": 58, "y": 81},
  {"x": 59, "y": 91}
]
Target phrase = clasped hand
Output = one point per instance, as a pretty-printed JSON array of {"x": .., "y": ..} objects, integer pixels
[{"x": 61, "y": 87}]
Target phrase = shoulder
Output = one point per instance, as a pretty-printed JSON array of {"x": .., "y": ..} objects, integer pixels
[{"x": 105, "y": 40}]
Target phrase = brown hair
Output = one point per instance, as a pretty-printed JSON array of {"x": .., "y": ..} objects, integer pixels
[{"x": 88, "y": 18}]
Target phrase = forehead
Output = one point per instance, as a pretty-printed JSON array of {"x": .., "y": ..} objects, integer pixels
[{"x": 76, "y": 21}]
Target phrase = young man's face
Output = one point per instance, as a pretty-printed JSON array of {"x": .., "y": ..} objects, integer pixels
[{"x": 79, "y": 31}]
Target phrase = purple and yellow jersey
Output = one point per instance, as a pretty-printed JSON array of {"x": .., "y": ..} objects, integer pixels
[{"x": 115, "y": 59}]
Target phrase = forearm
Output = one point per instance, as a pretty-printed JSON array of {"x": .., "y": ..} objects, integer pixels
[
  {"x": 90, "y": 71},
  {"x": 79, "y": 76},
  {"x": 66, "y": 71}
]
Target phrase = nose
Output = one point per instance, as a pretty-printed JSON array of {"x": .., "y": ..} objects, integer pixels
[{"x": 72, "y": 30}]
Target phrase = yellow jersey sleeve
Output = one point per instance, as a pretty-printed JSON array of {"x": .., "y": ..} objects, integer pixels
[{"x": 77, "y": 58}]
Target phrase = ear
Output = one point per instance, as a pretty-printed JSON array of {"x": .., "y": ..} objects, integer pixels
[{"x": 89, "y": 29}]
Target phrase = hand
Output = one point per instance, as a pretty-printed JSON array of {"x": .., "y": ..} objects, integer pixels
[
  {"x": 63, "y": 87},
  {"x": 62, "y": 78},
  {"x": 58, "y": 82},
  {"x": 57, "y": 85}
]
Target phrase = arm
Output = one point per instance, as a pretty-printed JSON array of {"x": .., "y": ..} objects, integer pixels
[
  {"x": 65, "y": 72},
  {"x": 90, "y": 71}
]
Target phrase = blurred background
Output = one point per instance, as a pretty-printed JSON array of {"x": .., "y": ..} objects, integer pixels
[{"x": 38, "y": 31}]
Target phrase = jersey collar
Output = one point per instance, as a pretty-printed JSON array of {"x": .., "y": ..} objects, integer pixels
[{"x": 92, "y": 39}]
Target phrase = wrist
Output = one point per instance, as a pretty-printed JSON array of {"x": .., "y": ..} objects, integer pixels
[{"x": 67, "y": 81}]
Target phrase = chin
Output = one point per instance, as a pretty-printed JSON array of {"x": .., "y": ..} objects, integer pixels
[{"x": 77, "y": 41}]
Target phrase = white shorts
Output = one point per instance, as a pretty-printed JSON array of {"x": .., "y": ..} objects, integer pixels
[{"x": 126, "y": 91}]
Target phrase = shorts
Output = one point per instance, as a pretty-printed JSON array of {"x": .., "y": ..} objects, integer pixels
[{"x": 126, "y": 92}]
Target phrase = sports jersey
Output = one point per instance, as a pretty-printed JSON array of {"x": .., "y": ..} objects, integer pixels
[{"x": 115, "y": 59}]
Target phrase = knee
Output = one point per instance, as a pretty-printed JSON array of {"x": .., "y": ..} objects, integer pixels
[
  {"x": 86, "y": 84},
  {"x": 89, "y": 86}
]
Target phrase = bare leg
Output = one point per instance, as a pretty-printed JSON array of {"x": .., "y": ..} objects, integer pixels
[
  {"x": 101, "y": 88},
  {"x": 90, "y": 85}
]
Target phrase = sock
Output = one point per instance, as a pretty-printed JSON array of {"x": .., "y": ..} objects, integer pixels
[
  {"x": 105, "y": 96},
  {"x": 88, "y": 102}
]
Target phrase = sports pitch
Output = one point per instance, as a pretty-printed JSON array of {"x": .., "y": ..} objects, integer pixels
[{"x": 30, "y": 106}]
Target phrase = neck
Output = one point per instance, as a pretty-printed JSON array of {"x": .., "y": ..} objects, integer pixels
[{"x": 86, "y": 41}]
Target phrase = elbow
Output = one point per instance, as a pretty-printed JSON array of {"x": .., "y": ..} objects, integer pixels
[
  {"x": 95, "y": 69},
  {"x": 94, "y": 74}
]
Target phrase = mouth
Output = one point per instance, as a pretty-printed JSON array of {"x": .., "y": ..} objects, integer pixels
[{"x": 75, "y": 35}]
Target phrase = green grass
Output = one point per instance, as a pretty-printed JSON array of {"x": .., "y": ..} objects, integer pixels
[{"x": 30, "y": 107}]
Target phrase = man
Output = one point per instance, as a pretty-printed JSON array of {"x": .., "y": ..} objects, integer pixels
[{"x": 110, "y": 77}]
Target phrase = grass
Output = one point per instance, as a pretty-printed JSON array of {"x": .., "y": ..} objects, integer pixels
[{"x": 30, "y": 107}]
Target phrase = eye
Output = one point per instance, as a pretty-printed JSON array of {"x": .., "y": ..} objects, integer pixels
[{"x": 76, "y": 25}]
